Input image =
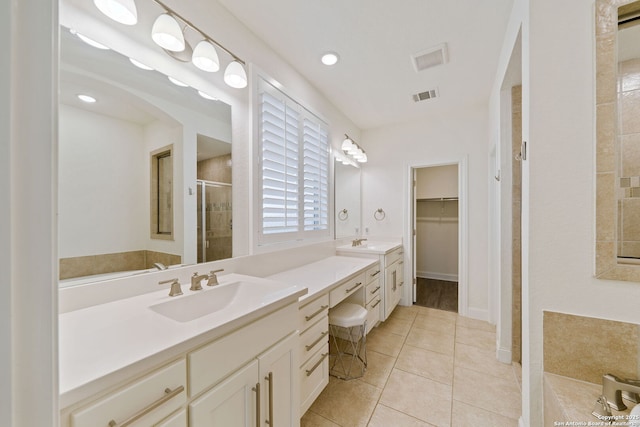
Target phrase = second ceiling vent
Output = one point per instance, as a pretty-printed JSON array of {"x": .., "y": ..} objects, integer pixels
[
  {"x": 426, "y": 95},
  {"x": 430, "y": 58}
]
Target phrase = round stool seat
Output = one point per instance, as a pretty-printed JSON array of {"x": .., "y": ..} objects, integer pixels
[{"x": 347, "y": 315}]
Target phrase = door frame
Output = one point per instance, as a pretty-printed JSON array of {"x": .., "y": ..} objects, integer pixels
[{"x": 463, "y": 229}]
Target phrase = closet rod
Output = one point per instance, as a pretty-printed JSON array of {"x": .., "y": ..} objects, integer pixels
[{"x": 438, "y": 199}]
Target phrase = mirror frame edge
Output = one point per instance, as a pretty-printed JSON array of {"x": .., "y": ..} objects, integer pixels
[{"x": 606, "y": 259}]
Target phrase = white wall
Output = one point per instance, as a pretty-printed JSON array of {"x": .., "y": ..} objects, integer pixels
[
  {"x": 97, "y": 151},
  {"x": 392, "y": 150}
]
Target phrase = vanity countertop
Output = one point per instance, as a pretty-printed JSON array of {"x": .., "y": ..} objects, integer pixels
[
  {"x": 321, "y": 276},
  {"x": 102, "y": 345},
  {"x": 378, "y": 247}
]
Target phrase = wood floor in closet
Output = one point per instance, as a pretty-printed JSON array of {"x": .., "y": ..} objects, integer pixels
[{"x": 438, "y": 294}]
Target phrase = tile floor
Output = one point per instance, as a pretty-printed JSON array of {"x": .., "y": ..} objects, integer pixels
[{"x": 426, "y": 367}]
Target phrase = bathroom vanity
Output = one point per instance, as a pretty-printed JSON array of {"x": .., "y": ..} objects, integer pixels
[{"x": 147, "y": 360}]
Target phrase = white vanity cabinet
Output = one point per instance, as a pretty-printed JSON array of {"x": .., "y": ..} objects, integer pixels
[
  {"x": 247, "y": 377},
  {"x": 393, "y": 284},
  {"x": 313, "y": 323}
]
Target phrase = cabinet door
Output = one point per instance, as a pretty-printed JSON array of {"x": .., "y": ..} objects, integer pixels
[
  {"x": 391, "y": 288},
  {"x": 232, "y": 403},
  {"x": 280, "y": 384}
]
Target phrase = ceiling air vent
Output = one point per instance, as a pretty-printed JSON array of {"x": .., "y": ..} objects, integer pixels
[
  {"x": 430, "y": 58},
  {"x": 424, "y": 96}
]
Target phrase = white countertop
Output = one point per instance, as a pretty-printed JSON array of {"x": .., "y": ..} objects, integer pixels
[
  {"x": 102, "y": 345},
  {"x": 321, "y": 276},
  {"x": 371, "y": 247}
]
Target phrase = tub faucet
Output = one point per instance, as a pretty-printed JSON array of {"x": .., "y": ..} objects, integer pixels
[
  {"x": 357, "y": 242},
  {"x": 195, "y": 281},
  {"x": 160, "y": 266},
  {"x": 614, "y": 387}
]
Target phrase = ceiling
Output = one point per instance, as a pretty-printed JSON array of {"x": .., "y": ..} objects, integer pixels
[{"x": 374, "y": 80}]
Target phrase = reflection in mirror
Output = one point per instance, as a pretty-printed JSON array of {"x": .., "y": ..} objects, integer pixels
[
  {"x": 347, "y": 200},
  {"x": 628, "y": 164},
  {"x": 162, "y": 193},
  {"x": 105, "y": 172}
]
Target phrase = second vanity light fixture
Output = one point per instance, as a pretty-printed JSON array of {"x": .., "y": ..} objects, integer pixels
[
  {"x": 168, "y": 32},
  {"x": 353, "y": 150}
]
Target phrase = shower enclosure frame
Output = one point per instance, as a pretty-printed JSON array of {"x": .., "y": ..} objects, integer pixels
[{"x": 201, "y": 186}]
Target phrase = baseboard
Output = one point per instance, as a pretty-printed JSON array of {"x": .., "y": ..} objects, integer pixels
[
  {"x": 437, "y": 276},
  {"x": 521, "y": 422},
  {"x": 478, "y": 313},
  {"x": 504, "y": 355}
]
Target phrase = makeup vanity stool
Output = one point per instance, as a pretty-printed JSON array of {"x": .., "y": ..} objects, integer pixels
[{"x": 348, "y": 343}]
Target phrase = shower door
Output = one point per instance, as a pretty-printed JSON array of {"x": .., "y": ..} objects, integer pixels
[{"x": 214, "y": 221}]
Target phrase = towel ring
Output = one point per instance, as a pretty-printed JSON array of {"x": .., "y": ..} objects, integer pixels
[
  {"x": 379, "y": 215},
  {"x": 343, "y": 215}
]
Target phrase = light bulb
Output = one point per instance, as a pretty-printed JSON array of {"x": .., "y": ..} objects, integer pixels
[
  {"x": 140, "y": 64},
  {"x": 363, "y": 158},
  {"x": 86, "y": 98},
  {"x": 122, "y": 11},
  {"x": 91, "y": 42},
  {"x": 347, "y": 144},
  {"x": 205, "y": 57},
  {"x": 235, "y": 75},
  {"x": 207, "y": 96},
  {"x": 167, "y": 34},
  {"x": 177, "y": 82}
]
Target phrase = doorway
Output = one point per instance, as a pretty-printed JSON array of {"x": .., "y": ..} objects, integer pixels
[{"x": 436, "y": 237}]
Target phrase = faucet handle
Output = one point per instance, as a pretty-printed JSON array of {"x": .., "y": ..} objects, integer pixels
[
  {"x": 213, "y": 279},
  {"x": 175, "y": 287}
]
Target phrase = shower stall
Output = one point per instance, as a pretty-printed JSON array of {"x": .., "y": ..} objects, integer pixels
[{"x": 215, "y": 221}]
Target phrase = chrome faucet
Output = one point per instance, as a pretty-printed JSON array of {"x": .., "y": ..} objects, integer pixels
[
  {"x": 175, "y": 287},
  {"x": 195, "y": 281},
  {"x": 213, "y": 279},
  {"x": 614, "y": 388},
  {"x": 357, "y": 242}
]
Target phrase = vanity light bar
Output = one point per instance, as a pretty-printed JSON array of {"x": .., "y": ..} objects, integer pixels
[{"x": 352, "y": 150}]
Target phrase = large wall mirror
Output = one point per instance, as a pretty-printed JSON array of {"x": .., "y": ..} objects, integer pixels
[
  {"x": 618, "y": 140},
  {"x": 106, "y": 148},
  {"x": 347, "y": 200}
]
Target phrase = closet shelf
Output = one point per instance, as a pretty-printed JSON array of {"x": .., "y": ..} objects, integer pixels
[{"x": 438, "y": 199}]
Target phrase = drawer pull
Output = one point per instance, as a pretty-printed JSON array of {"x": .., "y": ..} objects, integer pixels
[
  {"x": 257, "y": 390},
  {"x": 375, "y": 290},
  {"x": 320, "y": 310},
  {"x": 375, "y": 274},
  {"x": 350, "y": 289},
  {"x": 322, "y": 335},
  {"x": 376, "y": 304},
  {"x": 169, "y": 394},
  {"x": 310, "y": 371}
]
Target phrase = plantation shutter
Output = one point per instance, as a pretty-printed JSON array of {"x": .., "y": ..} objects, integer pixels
[{"x": 316, "y": 176}]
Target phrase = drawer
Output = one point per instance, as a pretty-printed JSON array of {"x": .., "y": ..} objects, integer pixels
[
  {"x": 243, "y": 344},
  {"x": 314, "y": 339},
  {"x": 372, "y": 290},
  {"x": 130, "y": 400},
  {"x": 393, "y": 256},
  {"x": 345, "y": 289},
  {"x": 373, "y": 312},
  {"x": 311, "y": 312},
  {"x": 314, "y": 377},
  {"x": 373, "y": 273}
]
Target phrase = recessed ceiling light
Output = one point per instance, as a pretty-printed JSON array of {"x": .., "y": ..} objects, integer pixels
[
  {"x": 330, "y": 58},
  {"x": 86, "y": 98},
  {"x": 140, "y": 64},
  {"x": 177, "y": 82}
]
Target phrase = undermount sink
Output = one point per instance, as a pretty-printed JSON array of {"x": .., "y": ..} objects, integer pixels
[{"x": 236, "y": 296}]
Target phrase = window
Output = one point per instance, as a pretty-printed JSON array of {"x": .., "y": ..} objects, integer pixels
[
  {"x": 294, "y": 169},
  {"x": 162, "y": 194}
]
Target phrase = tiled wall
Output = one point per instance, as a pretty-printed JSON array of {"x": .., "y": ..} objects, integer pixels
[
  {"x": 110, "y": 263},
  {"x": 586, "y": 348},
  {"x": 629, "y": 142},
  {"x": 217, "y": 169},
  {"x": 516, "y": 209}
]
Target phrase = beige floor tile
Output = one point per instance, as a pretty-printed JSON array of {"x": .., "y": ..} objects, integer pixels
[
  {"x": 419, "y": 397},
  {"x": 476, "y": 338},
  {"x": 404, "y": 312},
  {"x": 384, "y": 416},
  {"x": 347, "y": 403},
  {"x": 431, "y": 340},
  {"x": 379, "y": 366},
  {"x": 464, "y": 415},
  {"x": 446, "y": 326},
  {"x": 395, "y": 325},
  {"x": 384, "y": 342},
  {"x": 426, "y": 363},
  {"x": 311, "y": 419},
  {"x": 488, "y": 392},
  {"x": 467, "y": 322},
  {"x": 432, "y": 312},
  {"x": 481, "y": 360}
]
